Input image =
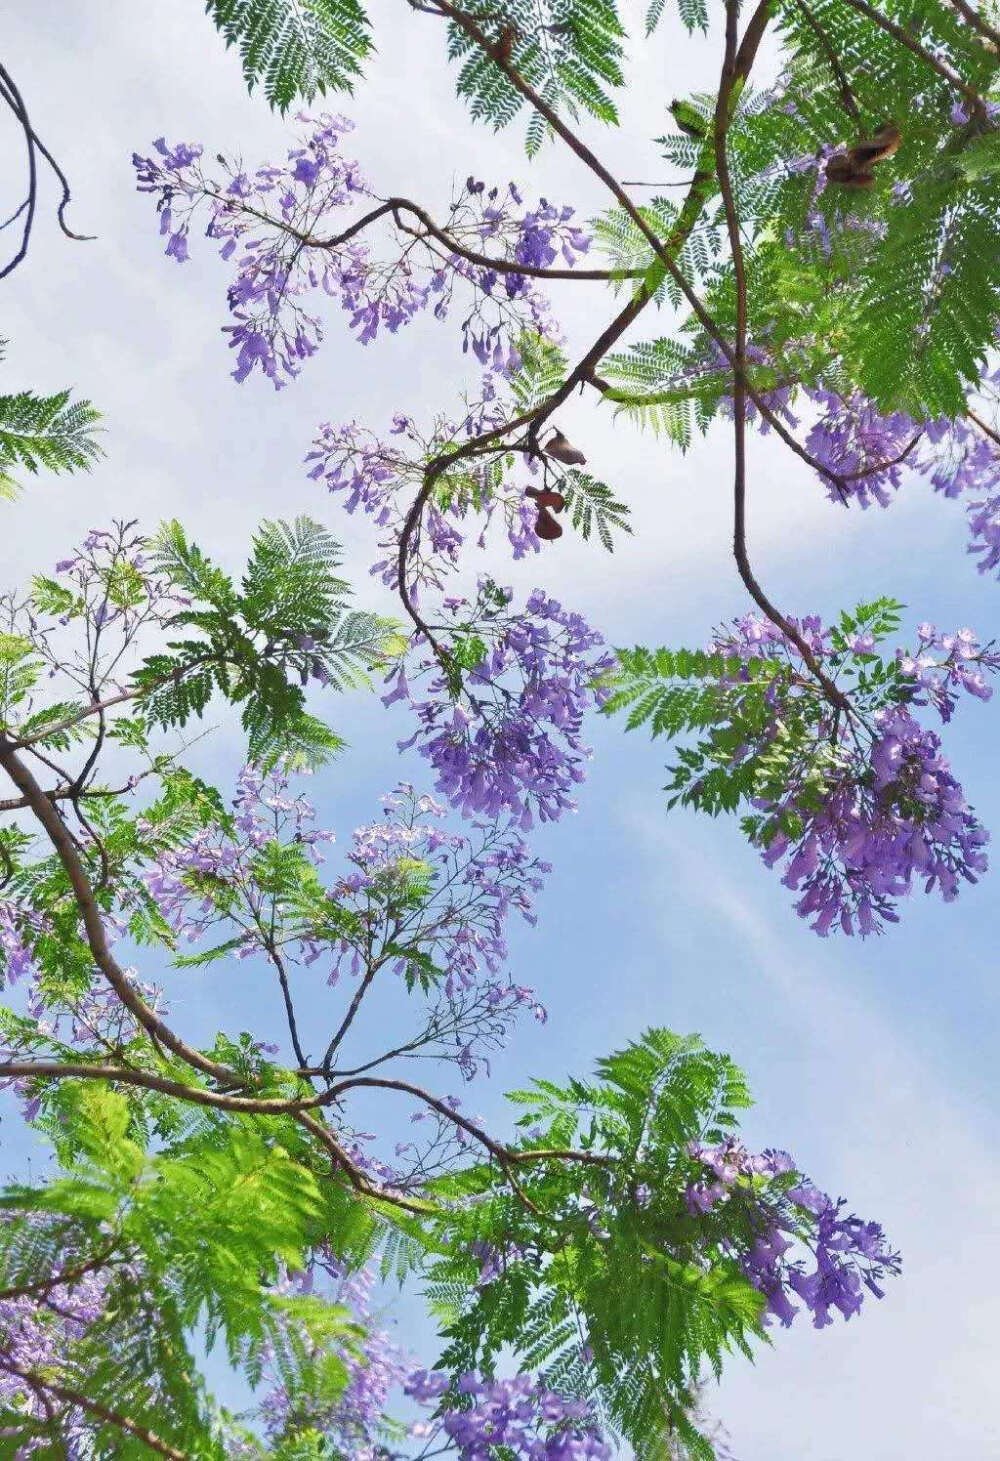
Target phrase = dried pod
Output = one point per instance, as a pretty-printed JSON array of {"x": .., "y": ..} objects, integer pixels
[
  {"x": 853, "y": 168},
  {"x": 546, "y": 525},
  {"x": 840, "y": 169},
  {"x": 554, "y": 500},
  {"x": 883, "y": 144},
  {"x": 564, "y": 451}
]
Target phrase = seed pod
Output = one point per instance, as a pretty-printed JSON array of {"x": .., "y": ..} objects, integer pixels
[
  {"x": 840, "y": 169},
  {"x": 883, "y": 144},
  {"x": 564, "y": 451},
  {"x": 546, "y": 525}
]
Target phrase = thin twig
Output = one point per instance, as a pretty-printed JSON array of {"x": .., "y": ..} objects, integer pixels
[
  {"x": 847, "y": 97},
  {"x": 722, "y": 115}
]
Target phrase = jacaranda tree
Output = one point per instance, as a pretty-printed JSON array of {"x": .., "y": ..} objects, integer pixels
[{"x": 830, "y": 276}]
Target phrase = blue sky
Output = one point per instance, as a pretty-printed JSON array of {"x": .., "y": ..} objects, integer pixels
[{"x": 874, "y": 1063}]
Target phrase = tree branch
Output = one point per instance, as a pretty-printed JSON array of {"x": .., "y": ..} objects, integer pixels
[
  {"x": 969, "y": 13},
  {"x": 63, "y": 1276},
  {"x": 847, "y": 97},
  {"x": 90, "y": 913},
  {"x": 93, "y": 1407},
  {"x": 721, "y": 127},
  {"x": 916, "y": 49}
]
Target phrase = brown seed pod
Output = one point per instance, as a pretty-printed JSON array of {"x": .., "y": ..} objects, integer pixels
[
  {"x": 564, "y": 451},
  {"x": 504, "y": 46},
  {"x": 883, "y": 144},
  {"x": 840, "y": 169},
  {"x": 546, "y": 525},
  {"x": 853, "y": 168}
]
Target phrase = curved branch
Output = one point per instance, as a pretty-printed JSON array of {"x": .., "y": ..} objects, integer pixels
[
  {"x": 503, "y": 1153},
  {"x": 739, "y": 60},
  {"x": 297, "y": 1109},
  {"x": 125, "y": 1423},
  {"x": 14, "y": 100},
  {"x": 10, "y": 94},
  {"x": 395, "y": 206},
  {"x": 916, "y": 49},
  {"x": 90, "y": 914},
  {"x": 476, "y": 446},
  {"x": 847, "y": 97}
]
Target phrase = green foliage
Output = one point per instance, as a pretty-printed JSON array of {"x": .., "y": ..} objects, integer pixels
[
  {"x": 665, "y": 386},
  {"x": 288, "y": 618},
  {"x": 45, "y": 433},
  {"x": 542, "y": 370},
  {"x": 193, "y": 1238},
  {"x": 568, "y": 51},
  {"x": 630, "y": 1282},
  {"x": 593, "y": 507},
  {"x": 892, "y": 294},
  {"x": 628, "y": 249},
  {"x": 295, "y": 48},
  {"x": 751, "y": 724}
]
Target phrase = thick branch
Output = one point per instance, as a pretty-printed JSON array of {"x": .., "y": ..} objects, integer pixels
[
  {"x": 297, "y": 1108},
  {"x": 59, "y": 836},
  {"x": 739, "y": 60},
  {"x": 986, "y": 430},
  {"x": 969, "y": 13},
  {"x": 915, "y": 48}
]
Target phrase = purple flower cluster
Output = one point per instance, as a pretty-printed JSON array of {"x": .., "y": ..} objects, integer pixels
[
  {"x": 262, "y": 220},
  {"x": 520, "y": 1415},
  {"x": 275, "y": 223},
  {"x": 217, "y": 855},
  {"x": 853, "y": 436},
  {"x": 419, "y": 899},
  {"x": 946, "y": 664},
  {"x": 382, "y": 478},
  {"x": 108, "y": 590},
  {"x": 36, "y": 1333},
  {"x": 16, "y": 959},
  {"x": 870, "y": 804},
  {"x": 515, "y": 1417},
  {"x": 354, "y": 1421},
  {"x": 847, "y": 1255},
  {"x": 966, "y": 462},
  {"x": 512, "y": 743},
  {"x": 871, "y": 450},
  {"x": 470, "y": 885}
]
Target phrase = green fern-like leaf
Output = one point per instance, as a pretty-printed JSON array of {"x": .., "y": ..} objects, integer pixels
[
  {"x": 593, "y": 507},
  {"x": 569, "y": 52},
  {"x": 295, "y": 48},
  {"x": 45, "y": 433}
]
